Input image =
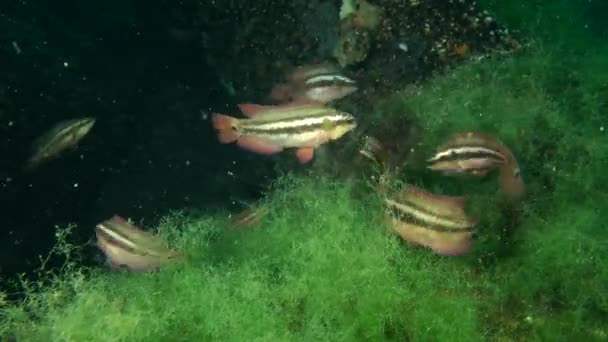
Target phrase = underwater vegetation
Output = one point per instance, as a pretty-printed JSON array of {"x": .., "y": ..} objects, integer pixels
[{"x": 322, "y": 264}]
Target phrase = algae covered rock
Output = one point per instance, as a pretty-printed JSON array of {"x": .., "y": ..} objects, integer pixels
[
  {"x": 358, "y": 21},
  {"x": 352, "y": 47}
]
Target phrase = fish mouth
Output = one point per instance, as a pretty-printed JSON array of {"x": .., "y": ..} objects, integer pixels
[{"x": 351, "y": 122}]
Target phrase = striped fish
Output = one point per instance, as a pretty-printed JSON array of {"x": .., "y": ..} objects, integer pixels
[
  {"x": 126, "y": 245},
  {"x": 270, "y": 129},
  {"x": 478, "y": 153},
  {"x": 470, "y": 152},
  {"x": 438, "y": 222},
  {"x": 248, "y": 217},
  {"x": 61, "y": 137},
  {"x": 319, "y": 82}
]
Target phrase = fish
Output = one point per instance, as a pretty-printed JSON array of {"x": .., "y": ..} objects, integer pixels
[
  {"x": 126, "y": 245},
  {"x": 270, "y": 129},
  {"x": 248, "y": 217},
  {"x": 372, "y": 149},
  {"x": 62, "y": 136},
  {"x": 322, "y": 83},
  {"x": 438, "y": 222},
  {"x": 478, "y": 153}
]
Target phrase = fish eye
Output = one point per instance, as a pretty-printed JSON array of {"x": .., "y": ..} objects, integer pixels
[{"x": 516, "y": 172}]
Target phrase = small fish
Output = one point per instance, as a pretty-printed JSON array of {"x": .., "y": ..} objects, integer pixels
[
  {"x": 248, "y": 217},
  {"x": 270, "y": 129},
  {"x": 478, "y": 153},
  {"x": 126, "y": 245},
  {"x": 319, "y": 82},
  {"x": 373, "y": 150},
  {"x": 438, "y": 222},
  {"x": 61, "y": 137}
]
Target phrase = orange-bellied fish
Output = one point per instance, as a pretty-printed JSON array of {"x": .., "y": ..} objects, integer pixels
[
  {"x": 126, "y": 245},
  {"x": 270, "y": 129},
  {"x": 435, "y": 221},
  {"x": 319, "y": 82},
  {"x": 478, "y": 153}
]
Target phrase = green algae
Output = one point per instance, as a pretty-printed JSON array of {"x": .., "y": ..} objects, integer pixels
[
  {"x": 322, "y": 265},
  {"x": 335, "y": 275}
]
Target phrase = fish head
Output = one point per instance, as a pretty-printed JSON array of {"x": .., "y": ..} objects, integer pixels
[
  {"x": 85, "y": 126},
  {"x": 343, "y": 126}
]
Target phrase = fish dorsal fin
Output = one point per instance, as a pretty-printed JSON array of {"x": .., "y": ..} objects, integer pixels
[
  {"x": 251, "y": 109},
  {"x": 290, "y": 109},
  {"x": 474, "y": 138}
]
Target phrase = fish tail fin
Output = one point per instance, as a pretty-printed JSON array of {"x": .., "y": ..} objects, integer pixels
[
  {"x": 30, "y": 165},
  {"x": 225, "y": 125},
  {"x": 281, "y": 92}
]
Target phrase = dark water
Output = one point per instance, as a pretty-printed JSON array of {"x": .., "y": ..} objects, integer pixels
[{"x": 151, "y": 149}]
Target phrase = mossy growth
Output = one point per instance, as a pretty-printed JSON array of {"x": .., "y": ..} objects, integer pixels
[
  {"x": 323, "y": 265},
  {"x": 545, "y": 254},
  {"x": 320, "y": 266}
]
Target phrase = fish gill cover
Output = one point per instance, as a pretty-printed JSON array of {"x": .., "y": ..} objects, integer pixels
[{"x": 321, "y": 264}]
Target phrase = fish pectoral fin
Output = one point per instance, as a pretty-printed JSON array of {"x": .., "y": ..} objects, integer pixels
[
  {"x": 258, "y": 145},
  {"x": 479, "y": 172},
  {"x": 327, "y": 125},
  {"x": 305, "y": 154}
]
